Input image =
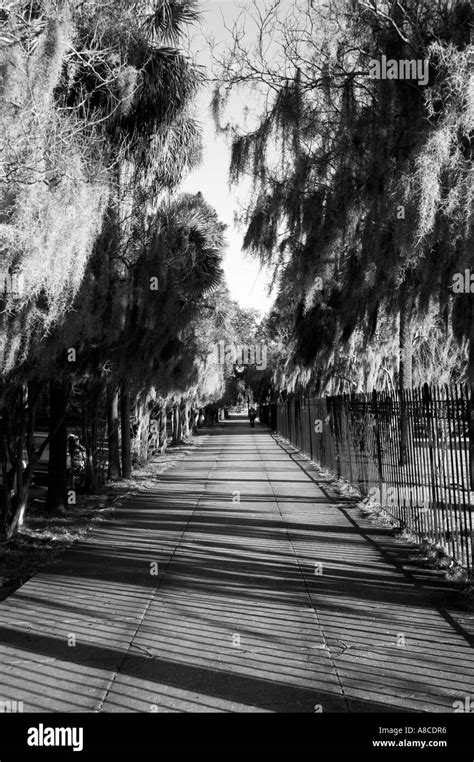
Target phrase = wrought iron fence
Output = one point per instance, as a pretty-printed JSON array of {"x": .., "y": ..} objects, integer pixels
[{"x": 410, "y": 450}]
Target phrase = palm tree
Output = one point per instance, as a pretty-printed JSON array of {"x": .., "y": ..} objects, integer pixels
[
  {"x": 137, "y": 89},
  {"x": 183, "y": 251}
]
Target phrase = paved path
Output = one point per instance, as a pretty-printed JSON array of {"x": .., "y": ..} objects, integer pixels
[{"x": 282, "y": 602}]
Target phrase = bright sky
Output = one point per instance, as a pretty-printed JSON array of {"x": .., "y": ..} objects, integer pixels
[{"x": 246, "y": 281}]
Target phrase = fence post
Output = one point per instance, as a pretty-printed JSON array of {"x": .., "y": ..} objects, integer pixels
[
  {"x": 336, "y": 407},
  {"x": 310, "y": 429},
  {"x": 403, "y": 427},
  {"x": 427, "y": 401},
  {"x": 470, "y": 417},
  {"x": 377, "y": 441},
  {"x": 297, "y": 441},
  {"x": 348, "y": 435}
]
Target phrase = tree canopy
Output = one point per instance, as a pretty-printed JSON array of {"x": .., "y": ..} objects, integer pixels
[
  {"x": 109, "y": 274},
  {"x": 363, "y": 190}
]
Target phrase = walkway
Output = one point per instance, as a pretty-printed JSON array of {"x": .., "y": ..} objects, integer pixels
[{"x": 269, "y": 597}]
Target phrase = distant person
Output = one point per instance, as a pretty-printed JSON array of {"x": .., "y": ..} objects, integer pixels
[{"x": 252, "y": 416}]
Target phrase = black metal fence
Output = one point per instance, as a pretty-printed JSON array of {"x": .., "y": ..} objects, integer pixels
[{"x": 409, "y": 450}]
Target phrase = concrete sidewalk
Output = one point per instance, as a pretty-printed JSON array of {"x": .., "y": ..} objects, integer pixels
[{"x": 282, "y": 602}]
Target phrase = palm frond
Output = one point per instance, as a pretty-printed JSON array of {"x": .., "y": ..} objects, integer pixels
[{"x": 169, "y": 20}]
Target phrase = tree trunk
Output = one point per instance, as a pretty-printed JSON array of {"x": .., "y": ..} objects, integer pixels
[
  {"x": 176, "y": 422},
  {"x": 126, "y": 434},
  {"x": 143, "y": 431},
  {"x": 163, "y": 436},
  {"x": 192, "y": 416},
  {"x": 405, "y": 347},
  {"x": 90, "y": 415},
  {"x": 113, "y": 425},
  {"x": 57, "y": 464},
  {"x": 186, "y": 414},
  {"x": 90, "y": 479},
  {"x": 5, "y": 492}
]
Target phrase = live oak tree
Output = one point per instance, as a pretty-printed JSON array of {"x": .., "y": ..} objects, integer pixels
[{"x": 362, "y": 201}]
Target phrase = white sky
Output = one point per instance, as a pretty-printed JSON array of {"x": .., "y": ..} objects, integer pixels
[{"x": 246, "y": 280}]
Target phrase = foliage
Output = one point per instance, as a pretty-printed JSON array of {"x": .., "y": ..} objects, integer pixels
[
  {"x": 52, "y": 186},
  {"x": 363, "y": 190},
  {"x": 118, "y": 273}
]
